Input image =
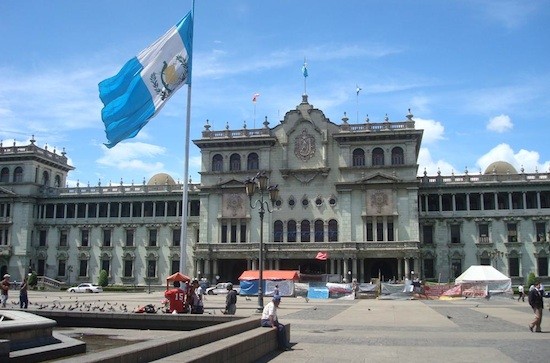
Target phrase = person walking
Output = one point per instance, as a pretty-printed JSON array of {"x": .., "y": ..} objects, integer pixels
[
  {"x": 270, "y": 320},
  {"x": 230, "y": 300},
  {"x": 23, "y": 296},
  {"x": 521, "y": 292},
  {"x": 4, "y": 288},
  {"x": 536, "y": 302}
]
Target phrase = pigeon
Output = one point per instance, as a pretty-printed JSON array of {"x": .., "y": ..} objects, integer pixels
[
  {"x": 486, "y": 316},
  {"x": 449, "y": 317}
]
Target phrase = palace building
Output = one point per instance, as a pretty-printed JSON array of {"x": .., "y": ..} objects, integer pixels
[{"x": 350, "y": 190}]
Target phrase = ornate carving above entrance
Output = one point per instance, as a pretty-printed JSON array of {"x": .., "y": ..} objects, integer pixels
[
  {"x": 380, "y": 202},
  {"x": 233, "y": 205},
  {"x": 304, "y": 146}
]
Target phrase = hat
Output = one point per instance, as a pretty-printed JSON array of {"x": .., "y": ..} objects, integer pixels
[
  {"x": 276, "y": 298},
  {"x": 7, "y": 275}
]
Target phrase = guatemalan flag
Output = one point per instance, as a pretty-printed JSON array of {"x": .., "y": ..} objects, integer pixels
[{"x": 146, "y": 83}]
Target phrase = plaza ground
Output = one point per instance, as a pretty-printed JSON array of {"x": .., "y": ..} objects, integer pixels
[{"x": 374, "y": 330}]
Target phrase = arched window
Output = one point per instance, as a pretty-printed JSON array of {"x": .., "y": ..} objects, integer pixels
[
  {"x": 46, "y": 178},
  {"x": 18, "y": 175},
  {"x": 278, "y": 231},
  {"x": 57, "y": 181},
  {"x": 291, "y": 231},
  {"x": 305, "y": 231},
  {"x": 5, "y": 175},
  {"x": 319, "y": 231},
  {"x": 252, "y": 162},
  {"x": 358, "y": 157},
  {"x": 235, "y": 162},
  {"x": 333, "y": 230},
  {"x": 217, "y": 163},
  {"x": 378, "y": 156},
  {"x": 397, "y": 156}
]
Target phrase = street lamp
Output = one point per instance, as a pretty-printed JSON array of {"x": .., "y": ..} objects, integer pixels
[{"x": 258, "y": 185}]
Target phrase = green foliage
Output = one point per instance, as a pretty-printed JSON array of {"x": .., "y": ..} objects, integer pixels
[
  {"x": 531, "y": 279},
  {"x": 33, "y": 279},
  {"x": 103, "y": 278}
]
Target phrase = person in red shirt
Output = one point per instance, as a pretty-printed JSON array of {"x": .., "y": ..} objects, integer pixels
[{"x": 176, "y": 298}]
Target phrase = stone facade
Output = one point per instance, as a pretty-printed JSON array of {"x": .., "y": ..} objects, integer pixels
[{"x": 350, "y": 190}]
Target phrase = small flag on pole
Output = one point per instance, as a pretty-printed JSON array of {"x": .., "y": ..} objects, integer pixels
[
  {"x": 255, "y": 97},
  {"x": 358, "y": 89},
  {"x": 304, "y": 69},
  {"x": 146, "y": 82},
  {"x": 323, "y": 256}
]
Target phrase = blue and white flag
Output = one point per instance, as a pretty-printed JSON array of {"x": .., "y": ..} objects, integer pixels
[
  {"x": 304, "y": 70},
  {"x": 146, "y": 83}
]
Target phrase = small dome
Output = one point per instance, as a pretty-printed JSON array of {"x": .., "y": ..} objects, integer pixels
[
  {"x": 500, "y": 167},
  {"x": 161, "y": 179}
]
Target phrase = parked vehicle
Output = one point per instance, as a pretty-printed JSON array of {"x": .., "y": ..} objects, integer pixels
[
  {"x": 86, "y": 287},
  {"x": 221, "y": 288}
]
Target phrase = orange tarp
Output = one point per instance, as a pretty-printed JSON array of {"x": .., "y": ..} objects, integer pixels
[
  {"x": 178, "y": 276},
  {"x": 270, "y": 275}
]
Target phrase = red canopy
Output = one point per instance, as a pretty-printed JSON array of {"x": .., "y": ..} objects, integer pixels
[
  {"x": 270, "y": 275},
  {"x": 178, "y": 276}
]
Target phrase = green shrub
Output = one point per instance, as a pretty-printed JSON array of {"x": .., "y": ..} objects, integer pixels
[
  {"x": 33, "y": 280},
  {"x": 531, "y": 280},
  {"x": 103, "y": 278}
]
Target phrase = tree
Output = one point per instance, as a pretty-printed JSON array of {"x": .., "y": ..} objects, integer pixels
[
  {"x": 531, "y": 279},
  {"x": 33, "y": 279},
  {"x": 103, "y": 278}
]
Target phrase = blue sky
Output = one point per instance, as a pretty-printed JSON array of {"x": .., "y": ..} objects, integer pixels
[{"x": 475, "y": 74}]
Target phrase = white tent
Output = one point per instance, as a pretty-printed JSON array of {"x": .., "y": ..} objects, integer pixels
[{"x": 478, "y": 278}]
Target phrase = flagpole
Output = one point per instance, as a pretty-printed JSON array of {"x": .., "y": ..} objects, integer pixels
[
  {"x": 183, "y": 237},
  {"x": 254, "y": 114}
]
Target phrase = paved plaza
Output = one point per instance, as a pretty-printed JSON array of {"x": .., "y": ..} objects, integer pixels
[{"x": 361, "y": 330}]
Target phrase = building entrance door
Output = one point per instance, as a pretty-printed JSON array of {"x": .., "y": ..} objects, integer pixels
[{"x": 385, "y": 268}]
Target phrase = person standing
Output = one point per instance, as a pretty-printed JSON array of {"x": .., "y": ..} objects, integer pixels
[
  {"x": 230, "y": 300},
  {"x": 536, "y": 302},
  {"x": 4, "y": 288},
  {"x": 23, "y": 296},
  {"x": 270, "y": 320},
  {"x": 197, "y": 306},
  {"x": 276, "y": 291},
  {"x": 521, "y": 292},
  {"x": 176, "y": 298}
]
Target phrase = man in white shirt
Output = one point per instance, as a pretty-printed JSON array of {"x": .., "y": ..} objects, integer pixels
[{"x": 269, "y": 320}]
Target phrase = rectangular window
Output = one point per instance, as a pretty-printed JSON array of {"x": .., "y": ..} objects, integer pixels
[
  {"x": 513, "y": 263},
  {"x": 428, "y": 234},
  {"x": 83, "y": 270},
  {"x": 130, "y": 237},
  {"x": 125, "y": 209},
  {"x": 128, "y": 267},
  {"x": 224, "y": 233},
  {"x": 151, "y": 268},
  {"x": 175, "y": 266},
  {"x": 84, "y": 237},
  {"x": 512, "y": 232},
  {"x": 540, "y": 228},
  {"x": 390, "y": 230},
  {"x": 81, "y": 210},
  {"x": 43, "y": 237},
  {"x": 243, "y": 233},
  {"x": 92, "y": 210},
  {"x": 456, "y": 267},
  {"x": 429, "y": 271},
  {"x": 484, "y": 233},
  {"x": 176, "y": 237},
  {"x": 106, "y": 265},
  {"x": 159, "y": 209},
  {"x": 61, "y": 268},
  {"x": 152, "y": 237},
  {"x": 172, "y": 209},
  {"x": 379, "y": 230},
  {"x": 233, "y": 233},
  {"x": 542, "y": 265},
  {"x": 455, "y": 233},
  {"x": 107, "y": 237},
  {"x": 4, "y": 233},
  {"x": 63, "y": 240},
  {"x": 370, "y": 233},
  {"x": 103, "y": 208}
]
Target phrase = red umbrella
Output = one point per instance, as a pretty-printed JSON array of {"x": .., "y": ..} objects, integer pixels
[{"x": 178, "y": 276}]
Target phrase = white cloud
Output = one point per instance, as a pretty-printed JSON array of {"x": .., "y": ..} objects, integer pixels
[
  {"x": 500, "y": 124},
  {"x": 133, "y": 156},
  {"x": 526, "y": 159},
  {"x": 509, "y": 13},
  {"x": 426, "y": 163},
  {"x": 433, "y": 130}
]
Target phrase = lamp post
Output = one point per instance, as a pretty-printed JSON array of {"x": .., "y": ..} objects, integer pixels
[{"x": 258, "y": 185}]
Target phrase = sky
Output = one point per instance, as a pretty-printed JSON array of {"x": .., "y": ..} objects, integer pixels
[{"x": 475, "y": 75}]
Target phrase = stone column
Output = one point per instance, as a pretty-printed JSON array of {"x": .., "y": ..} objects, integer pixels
[
  {"x": 346, "y": 269},
  {"x": 407, "y": 268},
  {"x": 399, "y": 269}
]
